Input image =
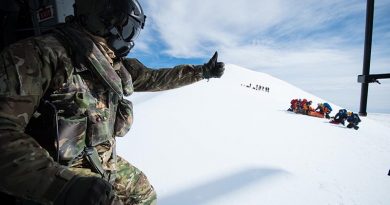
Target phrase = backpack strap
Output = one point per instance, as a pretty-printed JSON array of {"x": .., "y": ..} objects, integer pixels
[{"x": 86, "y": 56}]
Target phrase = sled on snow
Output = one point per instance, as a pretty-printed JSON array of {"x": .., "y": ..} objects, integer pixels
[{"x": 315, "y": 114}]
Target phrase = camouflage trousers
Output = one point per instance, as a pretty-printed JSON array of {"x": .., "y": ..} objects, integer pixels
[{"x": 131, "y": 185}]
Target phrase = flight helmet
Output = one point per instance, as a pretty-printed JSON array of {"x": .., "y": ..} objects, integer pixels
[{"x": 118, "y": 21}]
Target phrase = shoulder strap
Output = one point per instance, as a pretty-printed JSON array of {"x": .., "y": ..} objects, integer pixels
[{"x": 84, "y": 52}]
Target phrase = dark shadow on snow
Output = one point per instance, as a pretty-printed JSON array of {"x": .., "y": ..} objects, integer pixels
[{"x": 209, "y": 191}]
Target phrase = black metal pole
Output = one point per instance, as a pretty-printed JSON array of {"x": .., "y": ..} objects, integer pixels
[{"x": 367, "y": 55}]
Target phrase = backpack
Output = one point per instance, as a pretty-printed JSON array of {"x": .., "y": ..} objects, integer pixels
[
  {"x": 328, "y": 106},
  {"x": 293, "y": 101}
]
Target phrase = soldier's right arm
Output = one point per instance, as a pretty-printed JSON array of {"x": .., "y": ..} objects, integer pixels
[{"x": 26, "y": 169}]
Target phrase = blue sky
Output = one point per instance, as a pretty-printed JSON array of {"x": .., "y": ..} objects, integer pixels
[{"x": 315, "y": 45}]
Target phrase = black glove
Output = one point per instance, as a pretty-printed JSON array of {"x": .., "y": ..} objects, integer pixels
[
  {"x": 213, "y": 69},
  {"x": 85, "y": 191}
]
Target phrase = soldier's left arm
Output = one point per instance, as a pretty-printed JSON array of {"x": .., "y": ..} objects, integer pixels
[{"x": 147, "y": 79}]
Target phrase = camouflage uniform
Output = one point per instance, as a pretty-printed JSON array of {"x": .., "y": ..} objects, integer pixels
[{"x": 62, "y": 105}]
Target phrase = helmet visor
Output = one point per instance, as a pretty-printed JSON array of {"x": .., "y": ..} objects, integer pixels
[
  {"x": 133, "y": 21},
  {"x": 130, "y": 30}
]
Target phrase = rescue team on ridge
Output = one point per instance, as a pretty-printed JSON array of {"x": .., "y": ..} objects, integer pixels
[{"x": 323, "y": 110}]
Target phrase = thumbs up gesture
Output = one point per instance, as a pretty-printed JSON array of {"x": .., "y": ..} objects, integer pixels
[{"x": 213, "y": 68}]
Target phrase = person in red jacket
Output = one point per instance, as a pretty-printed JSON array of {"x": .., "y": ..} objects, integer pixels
[{"x": 293, "y": 105}]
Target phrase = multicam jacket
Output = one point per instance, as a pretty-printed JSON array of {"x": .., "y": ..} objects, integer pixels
[{"x": 62, "y": 97}]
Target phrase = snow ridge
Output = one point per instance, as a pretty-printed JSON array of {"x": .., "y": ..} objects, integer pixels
[{"x": 220, "y": 142}]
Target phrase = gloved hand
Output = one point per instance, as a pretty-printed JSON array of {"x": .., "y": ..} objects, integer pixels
[
  {"x": 86, "y": 191},
  {"x": 213, "y": 69}
]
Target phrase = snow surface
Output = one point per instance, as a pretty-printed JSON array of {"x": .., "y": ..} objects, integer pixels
[{"x": 219, "y": 142}]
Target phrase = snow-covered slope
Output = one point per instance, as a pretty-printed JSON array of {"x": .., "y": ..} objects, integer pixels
[{"x": 219, "y": 142}]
